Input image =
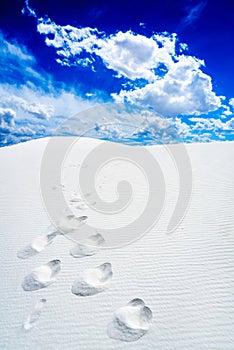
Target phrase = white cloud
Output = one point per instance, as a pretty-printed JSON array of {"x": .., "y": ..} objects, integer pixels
[
  {"x": 122, "y": 123},
  {"x": 29, "y": 10},
  {"x": 227, "y": 112},
  {"x": 34, "y": 103},
  {"x": 7, "y": 117},
  {"x": 7, "y": 124},
  {"x": 27, "y": 112},
  {"x": 231, "y": 102},
  {"x": 9, "y": 131},
  {"x": 185, "y": 89},
  {"x": 130, "y": 55},
  {"x": 183, "y": 47},
  {"x": 34, "y": 106},
  {"x": 14, "y": 50},
  {"x": 18, "y": 66},
  {"x": 135, "y": 56},
  {"x": 24, "y": 107},
  {"x": 182, "y": 88},
  {"x": 35, "y": 96},
  {"x": 145, "y": 124},
  {"x": 230, "y": 125},
  {"x": 70, "y": 42},
  {"x": 167, "y": 130},
  {"x": 216, "y": 126}
]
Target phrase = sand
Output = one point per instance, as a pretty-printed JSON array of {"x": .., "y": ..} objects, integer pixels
[{"x": 185, "y": 277}]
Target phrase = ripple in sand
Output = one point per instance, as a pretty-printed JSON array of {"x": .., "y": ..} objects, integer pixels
[
  {"x": 93, "y": 281},
  {"x": 89, "y": 246},
  {"x": 130, "y": 322},
  {"x": 39, "y": 244},
  {"x": 42, "y": 276},
  {"x": 35, "y": 314}
]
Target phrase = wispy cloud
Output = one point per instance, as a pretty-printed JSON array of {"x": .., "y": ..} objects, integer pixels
[
  {"x": 31, "y": 102},
  {"x": 27, "y": 9},
  {"x": 194, "y": 12},
  {"x": 28, "y": 112}
]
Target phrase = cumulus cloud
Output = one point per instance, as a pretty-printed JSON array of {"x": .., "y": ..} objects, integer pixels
[
  {"x": 7, "y": 116},
  {"x": 135, "y": 56},
  {"x": 31, "y": 105},
  {"x": 230, "y": 124},
  {"x": 7, "y": 123},
  {"x": 127, "y": 124},
  {"x": 22, "y": 119},
  {"x": 185, "y": 89},
  {"x": 174, "y": 86},
  {"x": 24, "y": 107},
  {"x": 213, "y": 128},
  {"x": 29, "y": 98},
  {"x": 130, "y": 55},
  {"x": 166, "y": 130},
  {"x": 174, "y": 83},
  {"x": 150, "y": 128},
  {"x": 231, "y": 102},
  {"x": 10, "y": 132}
]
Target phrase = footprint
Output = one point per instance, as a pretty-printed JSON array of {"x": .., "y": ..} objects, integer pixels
[
  {"x": 42, "y": 276},
  {"x": 34, "y": 316},
  {"x": 93, "y": 281},
  {"x": 39, "y": 244},
  {"x": 75, "y": 200},
  {"x": 81, "y": 206},
  {"x": 89, "y": 246},
  {"x": 130, "y": 322},
  {"x": 69, "y": 223}
]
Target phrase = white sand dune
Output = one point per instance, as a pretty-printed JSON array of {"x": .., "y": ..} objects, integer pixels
[{"x": 186, "y": 278}]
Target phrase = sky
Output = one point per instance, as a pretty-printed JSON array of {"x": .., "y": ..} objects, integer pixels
[{"x": 171, "y": 58}]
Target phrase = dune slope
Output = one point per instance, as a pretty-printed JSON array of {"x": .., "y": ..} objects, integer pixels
[{"x": 186, "y": 278}]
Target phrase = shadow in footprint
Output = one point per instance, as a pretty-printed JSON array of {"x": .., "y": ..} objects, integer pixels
[
  {"x": 89, "y": 246},
  {"x": 38, "y": 245},
  {"x": 93, "y": 281},
  {"x": 35, "y": 314},
  {"x": 130, "y": 322},
  {"x": 42, "y": 276}
]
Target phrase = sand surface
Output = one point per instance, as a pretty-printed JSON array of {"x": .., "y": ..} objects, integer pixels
[{"x": 186, "y": 278}]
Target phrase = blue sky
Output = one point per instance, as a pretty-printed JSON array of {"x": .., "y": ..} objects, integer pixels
[{"x": 171, "y": 57}]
